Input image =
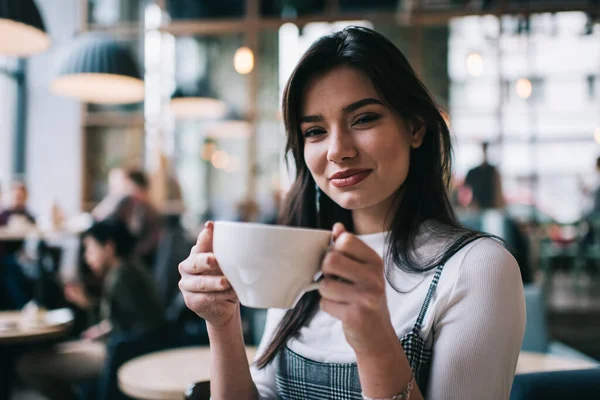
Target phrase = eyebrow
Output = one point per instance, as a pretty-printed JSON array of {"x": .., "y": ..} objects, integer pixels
[{"x": 346, "y": 110}]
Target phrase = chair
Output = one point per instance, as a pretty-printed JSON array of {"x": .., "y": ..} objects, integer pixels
[
  {"x": 564, "y": 385},
  {"x": 536, "y": 328},
  {"x": 124, "y": 347},
  {"x": 589, "y": 248},
  {"x": 560, "y": 241}
]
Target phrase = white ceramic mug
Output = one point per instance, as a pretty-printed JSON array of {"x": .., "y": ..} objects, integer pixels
[{"x": 269, "y": 266}]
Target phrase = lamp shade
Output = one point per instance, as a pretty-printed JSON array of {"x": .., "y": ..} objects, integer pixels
[
  {"x": 232, "y": 126},
  {"x": 99, "y": 70},
  {"x": 199, "y": 105},
  {"x": 22, "y": 31}
]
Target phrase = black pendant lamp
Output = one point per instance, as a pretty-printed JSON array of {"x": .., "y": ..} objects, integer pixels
[
  {"x": 22, "y": 30},
  {"x": 99, "y": 70},
  {"x": 233, "y": 126},
  {"x": 197, "y": 103}
]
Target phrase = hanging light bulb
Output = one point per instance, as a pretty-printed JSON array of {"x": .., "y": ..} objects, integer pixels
[
  {"x": 220, "y": 159},
  {"x": 524, "y": 88},
  {"x": 99, "y": 70},
  {"x": 243, "y": 60},
  {"x": 233, "y": 125},
  {"x": 597, "y": 135},
  {"x": 22, "y": 29},
  {"x": 475, "y": 64}
]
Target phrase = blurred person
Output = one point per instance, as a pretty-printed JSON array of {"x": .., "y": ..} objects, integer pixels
[
  {"x": 247, "y": 211},
  {"x": 140, "y": 215},
  {"x": 594, "y": 191},
  {"x": 16, "y": 288},
  {"x": 129, "y": 304},
  {"x": 592, "y": 214},
  {"x": 273, "y": 216},
  {"x": 485, "y": 183},
  {"x": 117, "y": 190},
  {"x": 17, "y": 208}
]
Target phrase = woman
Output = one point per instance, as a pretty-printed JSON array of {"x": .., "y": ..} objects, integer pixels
[
  {"x": 129, "y": 305},
  {"x": 443, "y": 317}
]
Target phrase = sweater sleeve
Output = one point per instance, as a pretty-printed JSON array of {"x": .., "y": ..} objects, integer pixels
[
  {"x": 478, "y": 334},
  {"x": 264, "y": 379}
]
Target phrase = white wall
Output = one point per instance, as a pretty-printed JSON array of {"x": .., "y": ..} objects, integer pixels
[{"x": 53, "y": 123}]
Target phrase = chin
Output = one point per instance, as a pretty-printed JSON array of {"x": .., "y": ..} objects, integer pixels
[{"x": 353, "y": 200}]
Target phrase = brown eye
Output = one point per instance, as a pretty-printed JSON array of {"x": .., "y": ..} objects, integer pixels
[
  {"x": 313, "y": 132},
  {"x": 366, "y": 118}
]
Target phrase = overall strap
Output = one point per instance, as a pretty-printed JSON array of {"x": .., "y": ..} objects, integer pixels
[{"x": 430, "y": 292}]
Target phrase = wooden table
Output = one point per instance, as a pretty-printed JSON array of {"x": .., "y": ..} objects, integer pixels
[
  {"x": 56, "y": 324},
  {"x": 539, "y": 362},
  {"x": 165, "y": 375}
]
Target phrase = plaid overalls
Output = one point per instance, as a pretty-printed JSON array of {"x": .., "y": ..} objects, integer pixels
[{"x": 300, "y": 378}]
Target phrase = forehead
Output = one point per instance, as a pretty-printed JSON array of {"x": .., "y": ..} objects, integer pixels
[
  {"x": 90, "y": 241},
  {"x": 336, "y": 89}
]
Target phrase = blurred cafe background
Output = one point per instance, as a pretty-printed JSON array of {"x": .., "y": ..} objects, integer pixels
[{"x": 167, "y": 114}]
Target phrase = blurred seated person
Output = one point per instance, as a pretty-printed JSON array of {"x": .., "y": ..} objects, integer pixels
[
  {"x": 117, "y": 191},
  {"x": 15, "y": 288},
  {"x": 137, "y": 211},
  {"x": 247, "y": 211},
  {"x": 16, "y": 214},
  {"x": 485, "y": 183},
  {"x": 273, "y": 217},
  {"x": 592, "y": 217},
  {"x": 129, "y": 304}
]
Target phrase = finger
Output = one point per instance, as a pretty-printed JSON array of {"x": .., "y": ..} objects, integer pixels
[
  {"x": 203, "y": 263},
  {"x": 354, "y": 248},
  {"x": 339, "y": 292},
  {"x": 204, "y": 284},
  {"x": 204, "y": 243},
  {"x": 337, "y": 230},
  {"x": 336, "y": 264},
  {"x": 197, "y": 301},
  {"x": 335, "y": 309}
]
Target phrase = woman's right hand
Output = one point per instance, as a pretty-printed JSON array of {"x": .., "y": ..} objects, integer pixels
[{"x": 205, "y": 289}]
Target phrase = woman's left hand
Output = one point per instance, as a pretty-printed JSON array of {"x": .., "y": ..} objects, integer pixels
[{"x": 358, "y": 299}]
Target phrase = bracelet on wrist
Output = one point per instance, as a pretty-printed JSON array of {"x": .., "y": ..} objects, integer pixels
[{"x": 405, "y": 395}]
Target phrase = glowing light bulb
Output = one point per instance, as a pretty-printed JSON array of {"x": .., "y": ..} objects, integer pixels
[
  {"x": 597, "y": 135},
  {"x": 243, "y": 60},
  {"x": 475, "y": 64},
  {"x": 524, "y": 88},
  {"x": 220, "y": 159}
]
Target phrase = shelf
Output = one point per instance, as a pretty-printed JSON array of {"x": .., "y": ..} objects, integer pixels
[{"x": 417, "y": 17}]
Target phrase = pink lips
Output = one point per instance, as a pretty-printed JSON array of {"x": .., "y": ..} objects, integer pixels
[{"x": 349, "y": 177}]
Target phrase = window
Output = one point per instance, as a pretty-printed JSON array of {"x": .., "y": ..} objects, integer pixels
[{"x": 542, "y": 127}]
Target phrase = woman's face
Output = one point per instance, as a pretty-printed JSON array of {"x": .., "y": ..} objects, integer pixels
[{"x": 356, "y": 148}]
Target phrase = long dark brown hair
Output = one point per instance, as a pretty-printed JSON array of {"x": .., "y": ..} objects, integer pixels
[{"x": 424, "y": 192}]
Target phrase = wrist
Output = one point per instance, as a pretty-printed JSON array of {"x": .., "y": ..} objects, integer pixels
[
  {"x": 383, "y": 345},
  {"x": 232, "y": 325}
]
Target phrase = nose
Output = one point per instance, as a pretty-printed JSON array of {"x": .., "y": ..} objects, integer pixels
[{"x": 341, "y": 146}]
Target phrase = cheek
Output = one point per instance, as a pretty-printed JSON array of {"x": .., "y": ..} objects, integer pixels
[{"x": 315, "y": 161}]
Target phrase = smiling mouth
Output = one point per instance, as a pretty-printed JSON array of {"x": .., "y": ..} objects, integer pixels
[{"x": 349, "y": 178}]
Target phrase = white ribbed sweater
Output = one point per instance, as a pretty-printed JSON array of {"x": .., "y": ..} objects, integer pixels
[{"x": 477, "y": 314}]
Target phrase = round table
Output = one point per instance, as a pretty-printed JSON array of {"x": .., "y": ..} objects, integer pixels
[
  {"x": 539, "y": 362},
  {"x": 166, "y": 375},
  {"x": 56, "y": 323}
]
